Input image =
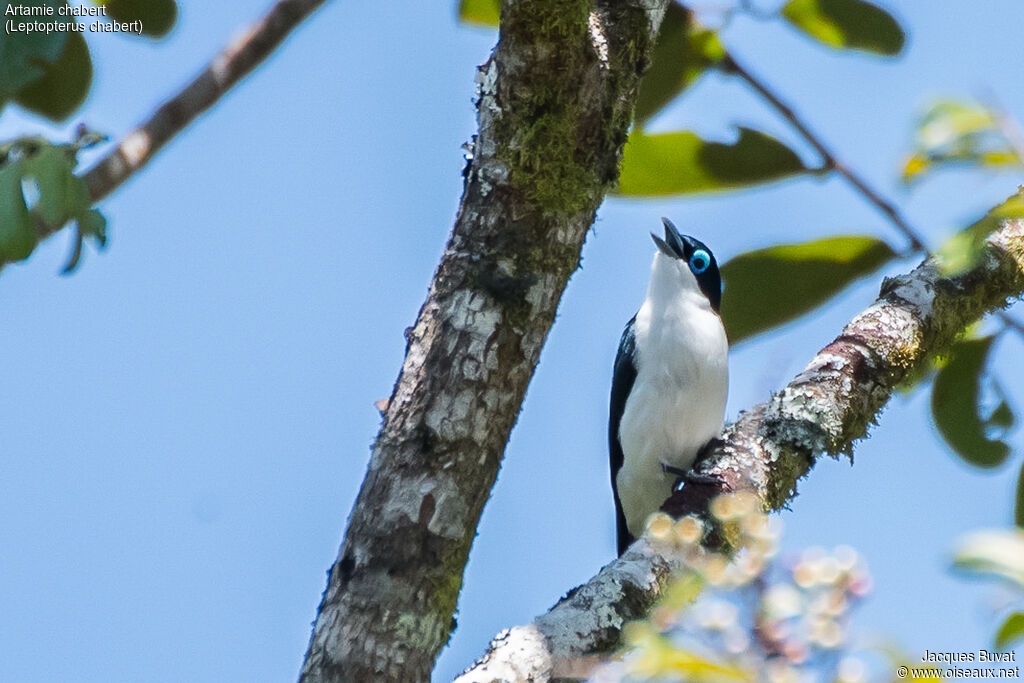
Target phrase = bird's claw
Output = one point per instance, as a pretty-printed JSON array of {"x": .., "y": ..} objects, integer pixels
[
  {"x": 678, "y": 471},
  {"x": 694, "y": 477},
  {"x": 689, "y": 476}
]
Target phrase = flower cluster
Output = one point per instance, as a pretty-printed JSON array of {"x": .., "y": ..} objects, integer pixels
[{"x": 748, "y": 616}]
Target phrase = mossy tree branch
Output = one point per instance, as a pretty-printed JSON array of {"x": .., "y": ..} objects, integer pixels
[
  {"x": 829, "y": 405},
  {"x": 823, "y": 410},
  {"x": 556, "y": 100}
]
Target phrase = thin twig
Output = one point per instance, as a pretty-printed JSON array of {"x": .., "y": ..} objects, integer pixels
[
  {"x": 730, "y": 65},
  {"x": 1011, "y": 323},
  {"x": 748, "y": 8},
  {"x": 236, "y": 60}
]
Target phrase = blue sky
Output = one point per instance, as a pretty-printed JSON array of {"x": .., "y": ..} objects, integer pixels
[{"x": 186, "y": 420}]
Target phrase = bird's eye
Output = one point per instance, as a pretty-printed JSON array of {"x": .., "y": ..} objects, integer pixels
[{"x": 700, "y": 261}]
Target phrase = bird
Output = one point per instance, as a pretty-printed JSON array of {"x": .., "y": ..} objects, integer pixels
[{"x": 670, "y": 380}]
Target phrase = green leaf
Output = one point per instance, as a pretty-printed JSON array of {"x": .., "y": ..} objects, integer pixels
[
  {"x": 682, "y": 162},
  {"x": 768, "y": 287},
  {"x": 76, "y": 252},
  {"x": 23, "y": 55},
  {"x": 959, "y": 133},
  {"x": 683, "y": 52},
  {"x": 999, "y": 552},
  {"x": 1002, "y": 417},
  {"x": 961, "y": 251},
  {"x": 61, "y": 193},
  {"x": 656, "y": 656},
  {"x": 89, "y": 224},
  {"x": 38, "y": 186},
  {"x": 848, "y": 24},
  {"x": 919, "y": 163},
  {"x": 93, "y": 224},
  {"x": 955, "y": 398},
  {"x": 17, "y": 229},
  {"x": 157, "y": 16},
  {"x": 64, "y": 83},
  {"x": 480, "y": 12},
  {"x": 1018, "y": 505},
  {"x": 1011, "y": 631},
  {"x": 947, "y": 121}
]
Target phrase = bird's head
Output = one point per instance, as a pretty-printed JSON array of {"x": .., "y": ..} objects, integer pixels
[{"x": 693, "y": 261}]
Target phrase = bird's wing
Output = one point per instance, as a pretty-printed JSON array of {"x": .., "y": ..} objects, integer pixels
[{"x": 622, "y": 383}]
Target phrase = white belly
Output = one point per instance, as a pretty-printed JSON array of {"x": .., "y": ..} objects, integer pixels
[{"x": 675, "y": 407}]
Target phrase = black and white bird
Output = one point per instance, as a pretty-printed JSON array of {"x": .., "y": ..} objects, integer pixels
[{"x": 670, "y": 381}]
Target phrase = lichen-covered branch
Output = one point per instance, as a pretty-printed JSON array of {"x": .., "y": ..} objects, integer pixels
[
  {"x": 555, "y": 102},
  {"x": 822, "y": 411},
  {"x": 830, "y": 404},
  {"x": 562, "y": 643}
]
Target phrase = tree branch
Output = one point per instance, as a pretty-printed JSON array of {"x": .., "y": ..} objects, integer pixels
[
  {"x": 823, "y": 410},
  {"x": 841, "y": 391},
  {"x": 236, "y": 60},
  {"x": 556, "y": 100},
  {"x": 730, "y": 65},
  {"x": 562, "y": 643}
]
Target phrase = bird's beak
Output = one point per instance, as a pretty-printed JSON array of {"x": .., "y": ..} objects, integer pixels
[
  {"x": 673, "y": 239},
  {"x": 663, "y": 247}
]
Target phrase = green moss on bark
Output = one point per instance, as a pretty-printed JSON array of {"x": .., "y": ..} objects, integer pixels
[
  {"x": 542, "y": 114},
  {"x": 560, "y": 151}
]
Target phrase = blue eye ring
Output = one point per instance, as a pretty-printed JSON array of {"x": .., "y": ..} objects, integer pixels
[{"x": 700, "y": 260}]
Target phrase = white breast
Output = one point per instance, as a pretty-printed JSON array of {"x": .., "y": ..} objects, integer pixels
[{"x": 678, "y": 399}]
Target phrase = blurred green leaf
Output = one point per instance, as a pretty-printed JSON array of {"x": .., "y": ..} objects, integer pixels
[
  {"x": 38, "y": 186},
  {"x": 1011, "y": 631},
  {"x": 480, "y": 12},
  {"x": 684, "y": 50},
  {"x": 956, "y": 393},
  {"x": 959, "y": 133},
  {"x": 93, "y": 224},
  {"x": 24, "y": 55},
  {"x": 682, "y": 591},
  {"x": 999, "y": 552},
  {"x": 849, "y": 24},
  {"x": 897, "y": 658},
  {"x": 17, "y": 229},
  {"x": 961, "y": 251},
  {"x": 947, "y": 121},
  {"x": 1018, "y": 505},
  {"x": 89, "y": 224},
  {"x": 1002, "y": 416},
  {"x": 658, "y": 657},
  {"x": 768, "y": 287},
  {"x": 64, "y": 83},
  {"x": 682, "y": 162},
  {"x": 157, "y": 16},
  {"x": 917, "y": 164},
  {"x": 62, "y": 194},
  {"x": 76, "y": 253}
]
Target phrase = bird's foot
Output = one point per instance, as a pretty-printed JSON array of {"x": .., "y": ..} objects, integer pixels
[
  {"x": 689, "y": 476},
  {"x": 693, "y": 477},
  {"x": 678, "y": 471}
]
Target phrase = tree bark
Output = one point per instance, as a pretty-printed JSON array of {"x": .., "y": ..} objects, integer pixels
[
  {"x": 823, "y": 410},
  {"x": 567, "y": 641},
  {"x": 555, "y": 102}
]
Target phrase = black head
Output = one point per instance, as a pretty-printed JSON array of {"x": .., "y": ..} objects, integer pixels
[{"x": 697, "y": 256}]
